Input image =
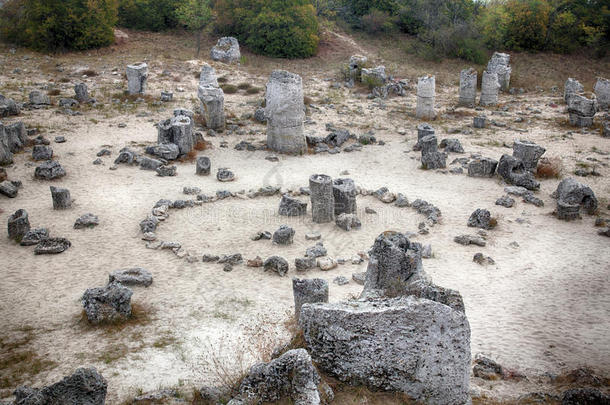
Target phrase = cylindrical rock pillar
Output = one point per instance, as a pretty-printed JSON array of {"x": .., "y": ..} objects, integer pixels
[
  {"x": 137, "y": 74},
  {"x": 489, "y": 89},
  {"x": 285, "y": 112},
  {"x": 18, "y": 225},
  {"x": 322, "y": 199},
  {"x": 61, "y": 198},
  {"x": 344, "y": 193},
  {"x": 529, "y": 153},
  {"x": 182, "y": 133},
  {"x": 212, "y": 98},
  {"x": 425, "y": 97},
  {"x": 422, "y": 131},
  {"x": 468, "y": 87},
  {"x": 308, "y": 291},
  {"x": 82, "y": 93},
  {"x": 429, "y": 144},
  {"x": 602, "y": 91},
  {"x": 500, "y": 64}
]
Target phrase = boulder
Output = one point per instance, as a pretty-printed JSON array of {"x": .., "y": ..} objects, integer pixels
[
  {"x": 373, "y": 77},
  {"x": 344, "y": 194},
  {"x": 481, "y": 218},
  {"x": 482, "y": 167},
  {"x": 347, "y": 222},
  {"x": 581, "y": 110},
  {"x": 571, "y": 195},
  {"x": 16, "y": 136},
  {"x": 147, "y": 163},
  {"x": 49, "y": 170},
  {"x": 85, "y": 387},
  {"x": 285, "y": 113},
  {"x": 166, "y": 171},
  {"x": 529, "y": 153},
  {"x": 291, "y": 376},
  {"x": 82, "y": 93},
  {"x": 38, "y": 98},
  {"x": 86, "y": 221},
  {"x": 52, "y": 246},
  {"x": 292, "y": 207},
  {"x": 203, "y": 166},
  {"x": 42, "y": 152},
  {"x": 318, "y": 250},
  {"x": 452, "y": 145},
  {"x": 415, "y": 346},
  {"x": 111, "y": 303},
  {"x": 326, "y": 263},
  {"x": 61, "y": 198},
  {"x": 8, "y": 107},
  {"x": 18, "y": 225},
  {"x": 167, "y": 151},
  {"x": 423, "y": 130},
  {"x": 431, "y": 158},
  {"x": 277, "y": 264},
  {"x": 305, "y": 263},
  {"x": 8, "y": 189},
  {"x": 284, "y": 235},
  {"x": 137, "y": 75},
  {"x": 33, "y": 236},
  {"x": 136, "y": 276},
  {"x": 308, "y": 291},
  {"x": 322, "y": 198},
  {"x": 226, "y": 50},
  {"x": 513, "y": 171}
]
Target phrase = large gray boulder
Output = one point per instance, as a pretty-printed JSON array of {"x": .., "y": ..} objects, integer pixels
[
  {"x": 212, "y": 98},
  {"x": 285, "y": 112},
  {"x": 18, "y": 225},
  {"x": 571, "y": 195},
  {"x": 407, "y": 344},
  {"x": 226, "y": 50},
  {"x": 111, "y": 303},
  {"x": 85, "y": 387},
  {"x": 137, "y": 74},
  {"x": 581, "y": 110},
  {"x": 513, "y": 171},
  {"x": 49, "y": 170},
  {"x": 290, "y": 376}
]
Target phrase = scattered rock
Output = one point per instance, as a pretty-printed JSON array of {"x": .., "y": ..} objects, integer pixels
[
  {"x": 107, "y": 304},
  {"x": 482, "y": 260},
  {"x": 8, "y": 189},
  {"x": 326, "y": 263},
  {"x": 347, "y": 222},
  {"x": 61, "y": 198},
  {"x": 341, "y": 280},
  {"x": 49, "y": 170},
  {"x": 42, "y": 152},
  {"x": 256, "y": 262},
  {"x": 203, "y": 166},
  {"x": 166, "y": 171},
  {"x": 52, "y": 246},
  {"x": 292, "y": 207},
  {"x": 18, "y": 225},
  {"x": 33, "y": 236},
  {"x": 136, "y": 276},
  {"x": 86, "y": 221},
  {"x": 277, "y": 264},
  {"x": 470, "y": 240},
  {"x": 284, "y": 235},
  {"x": 505, "y": 201},
  {"x": 225, "y": 175},
  {"x": 305, "y": 263},
  {"x": 481, "y": 218}
]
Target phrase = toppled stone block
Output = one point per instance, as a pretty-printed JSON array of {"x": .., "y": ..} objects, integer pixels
[
  {"x": 38, "y": 98},
  {"x": 529, "y": 153},
  {"x": 49, "y": 170},
  {"x": 167, "y": 151},
  {"x": 513, "y": 171},
  {"x": 452, "y": 145},
  {"x": 18, "y": 225},
  {"x": 42, "y": 152},
  {"x": 136, "y": 276},
  {"x": 482, "y": 167},
  {"x": 571, "y": 196},
  {"x": 292, "y": 207},
  {"x": 86, "y": 221}
]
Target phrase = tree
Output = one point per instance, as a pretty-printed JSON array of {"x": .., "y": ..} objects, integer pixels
[{"x": 195, "y": 15}]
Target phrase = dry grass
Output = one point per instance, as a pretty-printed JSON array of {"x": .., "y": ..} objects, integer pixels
[
  {"x": 223, "y": 79},
  {"x": 64, "y": 80},
  {"x": 54, "y": 92},
  {"x": 549, "y": 168},
  {"x": 189, "y": 157},
  {"x": 253, "y": 90},
  {"x": 140, "y": 315},
  {"x": 244, "y": 86},
  {"x": 200, "y": 146},
  {"x": 229, "y": 88},
  {"x": 90, "y": 73}
]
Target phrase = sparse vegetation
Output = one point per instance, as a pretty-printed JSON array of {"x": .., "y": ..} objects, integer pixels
[
  {"x": 549, "y": 168},
  {"x": 229, "y": 88}
]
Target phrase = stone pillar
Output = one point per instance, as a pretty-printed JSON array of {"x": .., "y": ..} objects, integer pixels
[
  {"x": 322, "y": 199},
  {"x": 203, "y": 166},
  {"x": 571, "y": 88},
  {"x": 529, "y": 153},
  {"x": 468, "y": 87},
  {"x": 136, "y": 78},
  {"x": 308, "y": 291},
  {"x": 356, "y": 63},
  {"x": 602, "y": 91},
  {"x": 431, "y": 158},
  {"x": 344, "y": 193},
  {"x": 582, "y": 110},
  {"x": 6, "y": 156},
  {"x": 499, "y": 64},
  {"x": 82, "y": 93},
  {"x": 212, "y": 98},
  {"x": 422, "y": 130},
  {"x": 425, "y": 97},
  {"x": 61, "y": 198},
  {"x": 285, "y": 113},
  {"x": 16, "y": 136},
  {"x": 182, "y": 133},
  {"x": 18, "y": 225},
  {"x": 489, "y": 89}
]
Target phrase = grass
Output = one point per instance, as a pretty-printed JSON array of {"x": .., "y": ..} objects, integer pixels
[
  {"x": 229, "y": 88},
  {"x": 200, "y": 146},
  {"x": 90, "y": 73},
  {"x": 253, "y": 90},
  {"x": 549, "y": 168},
  {"x": 244, "y": 86},
  {"x": 140, "y": 315},
  {"x": 54, "y": 92},
  {"x": 189, "y": 157},
  {"x": 223, "y": 80}
]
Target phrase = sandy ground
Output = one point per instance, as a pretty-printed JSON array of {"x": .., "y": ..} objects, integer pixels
[{"x": 542, "y": 308}]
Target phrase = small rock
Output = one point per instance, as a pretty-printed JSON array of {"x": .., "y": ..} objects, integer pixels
[
  {"x": 225, "y": 175},
  {"x": 341, "y": 280},
  {"x": 277, "y": 264},
  {"x": 482, "y": 260},
  {"x": 327, "y": 263},
  {"x": 284, "y": 235},
  {"x": 52, "y": 246},
  {"x": 86, "y": 221}
]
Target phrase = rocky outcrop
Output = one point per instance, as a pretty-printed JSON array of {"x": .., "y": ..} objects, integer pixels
[
  {"x": 85, "y": 387},
  {"x": 226, "y": 50}
]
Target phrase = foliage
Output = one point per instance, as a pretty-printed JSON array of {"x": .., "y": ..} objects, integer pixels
[
  {"x": 527, "y": 24},
  {"x": 279, "y": 28},
  {"x": 153, "y": 15},
  {"x": 195, "y": 15},
  {"x": 54, "y": 25},
  {"x": 378, "y": 21}
]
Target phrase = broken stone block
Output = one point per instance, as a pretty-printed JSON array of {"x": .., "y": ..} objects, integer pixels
[
  {"x": 137, "y": 74},
  {"x": 61, "y": 198},
  {"x": 482, "y": 167},
  {"x": 500, "y": 65},
  {"x": 292, "y": 207},
  {"x": 344, "y": 194},
  {"x": 572, "y": 87},
  {"x": 529, "y": 153},
  {"x": 602, "y": 91},
  {"x": 111, "y": 303},
  {"x": 513, "y": 171}
]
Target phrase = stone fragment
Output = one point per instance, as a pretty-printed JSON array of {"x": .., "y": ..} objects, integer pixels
[
  {"x": 203, "y": 166},
  {"x": 423, "y": 130},
  {"x": 602, "y": 92},
  {"x": 166, "y": 171},
  {"x": 111, "y": 303},
  {"x": 284, "y": 235},
  {"x": 33, "y": 236},
  {"x": 82, "y": 93},
  {"x": 292, "y": 207},
  {"x": 167, "y": 151},
  {"x": 52, "y": 246},
  {"x": 347, "y": 222},
  {"x": 505, "y": 201},
  {"x": 137, "y": 75},
  {"x": 513, "y": 171},
  {"x": 86, "y": 221},
  {"x": 305, "y": 263},
  {"x": 38, "y": 98},
  {"x": 225, "y": 175},
  {"x": 528, "y": 152},
  {"x": 470, "y": 240},
  {"x": 581, "y": 110},
  {"x": 277, "y": 264},
  {"x": 8, "y": 189},
  {"x": 452, "y": 145},
  {"x": 307, "y": 291},
  {"x": 136, "y": 276},
  {"x": 18, "y": 225},
  {"x": 572, "y": 87},
  {"x": 326, "y": 263},
  {"x": 481, "y": 218},
  {"x": 344, "y": 195},
  {"x": 61, "y": 198},
  {"x": 500, "y": 65},
  {"x": 49, "y": 170},
  {"x": 42, "y": 152}
]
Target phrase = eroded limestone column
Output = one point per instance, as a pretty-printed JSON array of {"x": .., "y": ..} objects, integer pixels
[
  {"x": 344, "y": 193},
  {"x": 468, "y": 87},
  {"x": 499, "y": 64},
  {"x": 137, "y": 74},
  {"x": 322, "y": 198},
  {"x": 489, "y": 89},
  {"x": 425, "y": 97},
  {"x": 212, "y": 98},
  {"x": 602, "y": 91},
  {"x": 285, "y": 113}
]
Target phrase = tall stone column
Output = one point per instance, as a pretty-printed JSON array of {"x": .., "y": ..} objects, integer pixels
[
  {"x": 137, "y": 74},
  {"x": 468, "y": 87},
  {"x": 285, "y": 113},
  {"x": 489, "y": 89},
  {"x": 426, "y": 94},
  {"x": 212, "y": 98},
  {"x": 322, "y": 198}
]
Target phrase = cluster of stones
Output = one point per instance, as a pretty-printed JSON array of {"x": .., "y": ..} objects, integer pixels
[
  {"x": 20, "y": 231},
  {"x": 571, "y": 197},
  {"x": 226, "y": 50},
  {"x": 336, "y": 138},
  {"x": 285, "y": 113},
  {"x": 583, "y": 107},
  {"x": 212, "y": 98},
  {"x": 376, "y": 78}
]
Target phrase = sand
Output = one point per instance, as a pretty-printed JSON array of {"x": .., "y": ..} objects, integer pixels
[{"x": 542, "y": 308}]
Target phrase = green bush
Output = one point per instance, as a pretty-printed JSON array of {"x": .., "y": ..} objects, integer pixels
[
  {"x": 279, "y": 28},
  {"x": 527, "y": 23},
  {"x": 378, "y": 21},
  {"x": 153, "y": 15},
  {"x": 54, "y": 25}
]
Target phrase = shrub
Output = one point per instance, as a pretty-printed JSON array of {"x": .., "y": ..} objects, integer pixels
[
  {"x": 229, "y": 88},
  {"x": 279, "y": 28},
  {"x": 549, "y": 168},
  {"x": 54, "y": 25},
  {"x": 154, "y": 15},
  {"x": 378, "y": 21},
  {"x": 527, "y": 22},
  {"x": 253, "y": 90}
]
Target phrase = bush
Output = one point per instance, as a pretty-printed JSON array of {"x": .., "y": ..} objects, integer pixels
[
  {"x": 527, "y": 22},
  {"x": 279, "y": 28},
  {"x": 153, "y": 15},
  {"x": 54, "y": 25},
  {"x": 378, "y": 21}
]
